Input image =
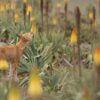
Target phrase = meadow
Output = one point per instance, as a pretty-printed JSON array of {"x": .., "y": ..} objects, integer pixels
[{"x": 49, "y": 50}]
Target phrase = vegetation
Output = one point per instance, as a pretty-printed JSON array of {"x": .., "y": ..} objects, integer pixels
[{"x": 62, "y": 61}]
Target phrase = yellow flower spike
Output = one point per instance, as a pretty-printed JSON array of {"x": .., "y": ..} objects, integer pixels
[
  {"x": 16, "y": 17},
  {"x": 32, "y": 19},
  {"x": 14, "y": 93},
  {"x": 24, "y": 1},
  {"x": 97, "y": 56},
  {"x": 4, "y": 65},
  {"x": 29, "y": 9},
  {"x": 33, "y": 27},
  {"x": 74, "y": 37},
  {"x": 54, "y": 20},
  {"x": 2, "y": 7},
  {"x": 59, "y": 5},
  {"x": 91, "y": 15},
  {"x": 66, "y": 1},
  {"x": 13, "y": 5},
  {"x": 35, "y": 84},
  {"x": 7, "y": 5}
]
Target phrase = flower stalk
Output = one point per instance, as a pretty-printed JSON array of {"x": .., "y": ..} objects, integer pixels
[
  {"x": 77, "y": 19},
  {"x": 41, "y": 7}
]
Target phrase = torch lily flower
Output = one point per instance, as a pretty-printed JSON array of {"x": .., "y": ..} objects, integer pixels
[
  {"x": 54, "y": 20},
  {"x": 14, "y": 93},
  {"x": 35, "y": 84},
  {"x": 24, "y": 1},
  {"x": 16, "y": 17},
  {"x": 7, "y": 6},
  {"x": 74, "y": 37},
  {"x": 13, "y": 5},
  {"x": 33, "y": 27},
  {"x": 2, "y": 7},
  {"x": 97, "y": 56},
  {"x": 4, "y": 65},
  {"x": 29, "y": 9}
]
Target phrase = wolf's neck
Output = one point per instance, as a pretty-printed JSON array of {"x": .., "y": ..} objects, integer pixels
[{"x": 21, "y": 44}]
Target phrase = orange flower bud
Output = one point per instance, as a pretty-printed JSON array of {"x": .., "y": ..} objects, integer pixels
[{"x": 97, "y": 56}]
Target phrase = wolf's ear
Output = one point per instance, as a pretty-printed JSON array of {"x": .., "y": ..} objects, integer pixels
[{"x": 19, "y": 35}]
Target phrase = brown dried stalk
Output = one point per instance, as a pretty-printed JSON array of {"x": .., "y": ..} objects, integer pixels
[
  {"x": 77, "y": 19},
  {"x": 47, "y": 14},
  {"x": 93, "y": 17},
  {"x": 41, "y": 7},
  {"x": 94, "y": 14},
  {"x": 24, "y": 13},
  {"x": 99, "y": 7},
  {"x": 65, "y": 8}
]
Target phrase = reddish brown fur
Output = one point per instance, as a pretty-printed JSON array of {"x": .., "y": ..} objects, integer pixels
[{"x": 13, "y": 53}]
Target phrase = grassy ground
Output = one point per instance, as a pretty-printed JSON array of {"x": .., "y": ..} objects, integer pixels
[{"x": 52, "y": 53}]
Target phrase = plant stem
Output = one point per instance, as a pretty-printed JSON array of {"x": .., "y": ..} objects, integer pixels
[{"x": 77, "y": 13}]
